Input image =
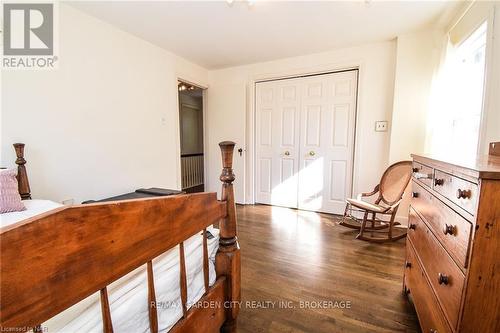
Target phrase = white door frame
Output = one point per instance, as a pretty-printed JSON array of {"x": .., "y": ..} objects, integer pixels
[
  {"x": 205, "y": 148},
  {"x": 289, "y": 74}
]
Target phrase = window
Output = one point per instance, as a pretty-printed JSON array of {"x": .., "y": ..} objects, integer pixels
[
  {"x": 458, "y": 99},
  {"x": 468, "y": 91}
]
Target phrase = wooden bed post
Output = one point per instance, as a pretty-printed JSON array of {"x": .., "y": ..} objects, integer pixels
[
  {"x": 228, "y": 256},
  {"x": 22, "y": 176}
]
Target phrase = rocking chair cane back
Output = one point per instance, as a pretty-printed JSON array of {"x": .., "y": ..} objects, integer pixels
[{"x": 390, "y": 194}]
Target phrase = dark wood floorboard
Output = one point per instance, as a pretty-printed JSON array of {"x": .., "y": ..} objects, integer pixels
[{"x": 293, "y": 256}]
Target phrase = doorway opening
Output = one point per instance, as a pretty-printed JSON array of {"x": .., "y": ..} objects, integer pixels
[{"x": 191, "y": 137}]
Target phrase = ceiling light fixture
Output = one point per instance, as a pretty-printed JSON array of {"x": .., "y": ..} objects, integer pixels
[
  {"x": 250, "y": 3},
  {"x": 185, "y": 86}
]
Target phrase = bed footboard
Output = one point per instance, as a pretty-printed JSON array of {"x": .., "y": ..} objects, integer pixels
[{"x": 53, "y": 261}]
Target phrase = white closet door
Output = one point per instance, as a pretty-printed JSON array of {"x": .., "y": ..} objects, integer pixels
[
  {"x": 277, "y": 142},
  {"x": 305, "y": 141},
  {"x": 328, "y": 111}
]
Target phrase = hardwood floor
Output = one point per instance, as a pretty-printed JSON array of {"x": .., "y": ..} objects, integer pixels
[{"x": 294, "y": 257}]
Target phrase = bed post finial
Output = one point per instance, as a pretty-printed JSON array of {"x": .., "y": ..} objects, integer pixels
[
  {"x": 228, "y": 256},
  {"x": 22, "y": 176}
]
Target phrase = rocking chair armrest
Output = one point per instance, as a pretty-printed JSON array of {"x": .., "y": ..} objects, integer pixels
[
  {"x": 369, "y": 194},
  {"x": 396, "y": 204}
]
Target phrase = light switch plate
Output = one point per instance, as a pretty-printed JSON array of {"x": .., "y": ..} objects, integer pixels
[{"x": 381, "y": 126}]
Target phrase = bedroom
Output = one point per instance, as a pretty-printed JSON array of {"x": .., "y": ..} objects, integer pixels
[{"x": 104, "y": 121}]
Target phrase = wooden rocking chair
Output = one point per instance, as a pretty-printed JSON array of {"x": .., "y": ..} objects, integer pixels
[{"x": 391, "y": 190}]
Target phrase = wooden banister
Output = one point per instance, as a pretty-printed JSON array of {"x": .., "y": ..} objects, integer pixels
[
  {"x": 191, "y": 155},
  {"x": 227, "y": 261},
  {"x": 22, "y": 176}
]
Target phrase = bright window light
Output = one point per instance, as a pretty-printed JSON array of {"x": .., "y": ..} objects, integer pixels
[
  {"x": 458, "y": 101},
  {"x": 470, "y": 86}
]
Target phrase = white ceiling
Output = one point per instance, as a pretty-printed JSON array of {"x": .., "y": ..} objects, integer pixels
[{"x": 217, "y": 34}]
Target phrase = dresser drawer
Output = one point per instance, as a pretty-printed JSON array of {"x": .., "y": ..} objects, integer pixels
[
  {"x": 452, "y": 230},
  {"x": 430, "y": 315},
  {"x": 423, "y": 173},
  {"x": 460, "y": 191},
  {"x": 444, "y": 275}
]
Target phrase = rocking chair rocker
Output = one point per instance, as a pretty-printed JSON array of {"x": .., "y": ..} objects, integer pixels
[{"x": 391, "y": 190}]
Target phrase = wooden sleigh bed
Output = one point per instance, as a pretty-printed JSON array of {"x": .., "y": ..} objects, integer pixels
[{"x": 52, "y": 261}]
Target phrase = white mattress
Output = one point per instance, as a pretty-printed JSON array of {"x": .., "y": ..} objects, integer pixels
[
  {"x": 128, "y": 296},
  {"x": 33, "y": 207}
]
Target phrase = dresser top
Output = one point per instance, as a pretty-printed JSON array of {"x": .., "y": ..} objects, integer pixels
[{"x": 483, "y": 166}]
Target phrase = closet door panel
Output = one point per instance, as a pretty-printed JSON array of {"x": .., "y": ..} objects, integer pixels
[
  {"x": 277, "y": 111},
  {"x": 265, "y": 104},
  {"x": 314, "y": 115},
  {"x": 340, "y": 151},
  {"x": 327, "y": 141}
]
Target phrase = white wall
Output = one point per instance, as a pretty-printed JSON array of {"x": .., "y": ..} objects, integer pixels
[
  {"x": 225, "y": 121},
  {"x": 230, "y": 114},
  {"x": 93, "y": 128},
  {"x": 417, "y": 56}
]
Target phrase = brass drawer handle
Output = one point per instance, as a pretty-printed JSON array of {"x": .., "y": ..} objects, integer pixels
[
  {"x": 433, "y": 331},
  {"x": 414, "y": 194},
  {"x": 443, "y": 279},
  {"x": 438, "y": 182},
  {"x": 407, "y": 264},
  {"x": 412, "y": 226},
  {"x": 449, "y": 229},
  {"x": 463, "y": 194},
  {"x": 415, "y": 169}
]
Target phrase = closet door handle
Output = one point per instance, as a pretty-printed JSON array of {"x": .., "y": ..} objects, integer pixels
[
  {"x": 287, "y": 153},
  {"x": 312, "y": 153}
]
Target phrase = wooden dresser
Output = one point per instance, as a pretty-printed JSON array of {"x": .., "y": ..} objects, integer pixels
[{"x": 452, "y": 268}]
